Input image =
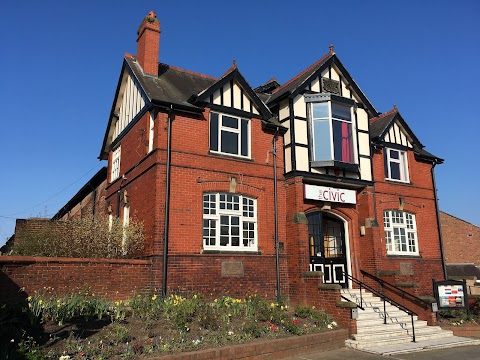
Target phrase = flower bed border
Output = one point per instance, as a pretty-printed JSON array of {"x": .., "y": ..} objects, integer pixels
[{"x": 269, "y": 349}]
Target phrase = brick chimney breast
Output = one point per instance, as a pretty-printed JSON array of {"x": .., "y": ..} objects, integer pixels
[{"x": 148, "y": 43}]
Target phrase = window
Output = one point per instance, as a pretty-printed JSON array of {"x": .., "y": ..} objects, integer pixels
[
  {"x": 151, "y": 132},
  {"x": 400, "y": 233},
  {"x": 115, "y": 164},
  {"x": 229, "y": 222},
  {"x": 332, "y": 132},
  {"x": 396, "y": 167},
  {"x": 229, "y": 135}
]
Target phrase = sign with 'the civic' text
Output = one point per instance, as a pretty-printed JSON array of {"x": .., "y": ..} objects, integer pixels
[{"x": 330, "y": 194}]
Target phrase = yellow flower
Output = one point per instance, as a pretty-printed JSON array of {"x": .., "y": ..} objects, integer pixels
[
  {"x": 40, "y": 301},
  {"x": 282, "y": 308},
  {"x": 272, "y": 305},
  {"x": 29, "y": 298},
  {"x": 116, "y": 303},
  {"x": 154, "y": 297}
]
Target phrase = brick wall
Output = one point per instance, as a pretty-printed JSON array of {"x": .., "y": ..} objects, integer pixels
[
  {"x": 461, "y": 240},
  {"x": 113, "y": 279}
]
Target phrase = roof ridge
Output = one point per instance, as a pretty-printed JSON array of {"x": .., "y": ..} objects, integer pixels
[
  {"x": 189, "y": 71},
  {"x": 381, "y": 116},
  {"x": 465, "y": 221},
  {"x": 322, "y": 59}
]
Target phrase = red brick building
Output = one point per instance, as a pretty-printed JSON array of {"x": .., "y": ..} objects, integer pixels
[{"x": 244, "y": 189}]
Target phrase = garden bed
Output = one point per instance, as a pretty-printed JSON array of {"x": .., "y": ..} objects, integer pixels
[{"x": 82, "y": 326}]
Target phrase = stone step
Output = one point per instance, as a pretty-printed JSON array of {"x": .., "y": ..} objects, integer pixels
[
  {"x": 361, "y": 322},
  {"x": 395, "y": 332},
  {"x": 355, "y": 344},
  {"x": 380, "y": 327}
]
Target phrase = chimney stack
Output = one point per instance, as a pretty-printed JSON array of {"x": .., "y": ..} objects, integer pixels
[{"x": 148, "y": 43}]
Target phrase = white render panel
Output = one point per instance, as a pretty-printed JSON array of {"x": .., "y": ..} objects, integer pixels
[
  {"x": 397, "y": 134},
  {"x": 325, "y": 73},
  {"x": 301, "y": 155},
  {"x": 315, "y": 85},
  {"x": 255, "y": 111},
  {"x": 301, "y": 135},
  {"x": 227, "y": 97},
  {"x": 335, "y": 75},
  {"x": 345, "y": 91},
  {"x": 364, "y": 143},
  {"x": 299, "y": 106},
  {"x": 237, "y": 96},
  {"x": 365, "y": 169},
  {"x": 287, "y": 133},
  {"x": 403, "y": 139},
  {"x": 216, "y": 97},
  {"x": 246, "y": 102},
  {"x": 283, "y": 110},
  {"x": 288, "y": 160},
  {"x": 362, "y": 119}
]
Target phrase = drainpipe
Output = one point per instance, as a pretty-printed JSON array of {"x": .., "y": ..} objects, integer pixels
[
  {"x": 167, "y": 202},
  {"x": 275, "y": 210},
  {"x": 438, "y": 221}
]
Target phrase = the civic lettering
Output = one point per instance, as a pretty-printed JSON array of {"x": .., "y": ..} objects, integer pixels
[{"x": 334, "y": 195}]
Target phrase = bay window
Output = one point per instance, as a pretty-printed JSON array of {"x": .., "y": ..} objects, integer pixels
[{"x": 332, "y": 130}]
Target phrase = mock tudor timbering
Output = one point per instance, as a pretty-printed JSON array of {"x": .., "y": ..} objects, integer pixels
[{"x": 244, "y": 190}]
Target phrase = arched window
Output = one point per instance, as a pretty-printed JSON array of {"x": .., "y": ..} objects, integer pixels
[{"x": 229, "y": 222}]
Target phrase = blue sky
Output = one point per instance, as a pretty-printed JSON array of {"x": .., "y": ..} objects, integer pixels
[{"x": 61, "y": 60}]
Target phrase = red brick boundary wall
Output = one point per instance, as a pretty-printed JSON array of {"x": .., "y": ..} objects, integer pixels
[
  {"x": 111, "y": 278},
  {"x": 270, "y": 349},
  {"x": 464, "y": 330}
]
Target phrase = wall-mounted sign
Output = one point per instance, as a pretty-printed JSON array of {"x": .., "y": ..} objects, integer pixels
[
  {"x": 451, "y": 294},
  {"x": 330, "y": 194}
]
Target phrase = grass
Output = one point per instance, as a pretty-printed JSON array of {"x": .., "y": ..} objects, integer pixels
[{"x": 83, "y": 326}]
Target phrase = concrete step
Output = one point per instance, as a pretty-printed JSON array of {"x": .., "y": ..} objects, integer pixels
[
  {"x": 410, "y": 347},
  {"x": 367, "y": 343},
  {"x": 362, "y": 322},
  {"x": 381, "y": 327},
  {"x": 398, "y": 331}
]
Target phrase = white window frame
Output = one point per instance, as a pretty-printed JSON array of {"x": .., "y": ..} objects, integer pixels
[
  {"x": 151, "y": 132},
  {"x": 238, "y": 131},
  {"x": 403, "y": 165},
  {"x": 400, "y": 232},
  {"x": 116, "y": 156},
  {"x": 330, "y": 119},
  {"x": 216, "y": 210}
]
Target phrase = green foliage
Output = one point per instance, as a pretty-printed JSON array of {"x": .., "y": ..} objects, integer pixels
[
  {"x": 83, "y": 237},
  {"x": 147, "y": 307}
]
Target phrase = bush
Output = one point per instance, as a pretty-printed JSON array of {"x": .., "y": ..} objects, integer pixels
[{"x": 86, "y": 237}]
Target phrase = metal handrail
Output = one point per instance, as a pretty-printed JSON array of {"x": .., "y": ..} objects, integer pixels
[
  {"x": 385, "y": 299},
  {"x": 404, "y": 294}
]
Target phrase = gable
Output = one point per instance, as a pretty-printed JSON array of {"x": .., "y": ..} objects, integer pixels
[
  {"x": 232, "y": 92},
  {"x": 396, "y": 134},
  {"x": 129, "y": 103}
]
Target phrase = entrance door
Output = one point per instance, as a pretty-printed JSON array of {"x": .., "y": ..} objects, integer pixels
[{"x": 326, "y": 236}]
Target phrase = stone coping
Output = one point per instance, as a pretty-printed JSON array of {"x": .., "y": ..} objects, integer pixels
[
  {"x": 284, "y": 348},
  {"x": 65, "y": 260}
]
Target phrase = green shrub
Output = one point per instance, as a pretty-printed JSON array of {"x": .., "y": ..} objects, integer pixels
[{"x": 83, "y": 237}]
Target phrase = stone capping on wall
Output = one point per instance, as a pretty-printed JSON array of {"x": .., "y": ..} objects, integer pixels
[
  {"x": 44, "y": 259},
  {"x": 284, "y": 348}
]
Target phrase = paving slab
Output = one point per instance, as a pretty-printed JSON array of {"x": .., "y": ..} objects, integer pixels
[{"x": 450, "y": 342}]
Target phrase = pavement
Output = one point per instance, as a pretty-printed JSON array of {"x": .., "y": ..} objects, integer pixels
[{"x": 470, "y": 352}]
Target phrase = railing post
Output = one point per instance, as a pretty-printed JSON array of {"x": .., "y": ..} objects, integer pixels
[
  {"x": 361, "y": 298},
  {"x": 384, "y": 311},
  {"x": 413, "y": 328}
]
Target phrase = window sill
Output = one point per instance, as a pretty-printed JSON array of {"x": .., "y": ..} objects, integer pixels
[
  {"x": 230, "y": 252},
  {"x": 403, "y": 256},
  {"x": 230, "y": 157},
  {"x": 400, "y": 182}
]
